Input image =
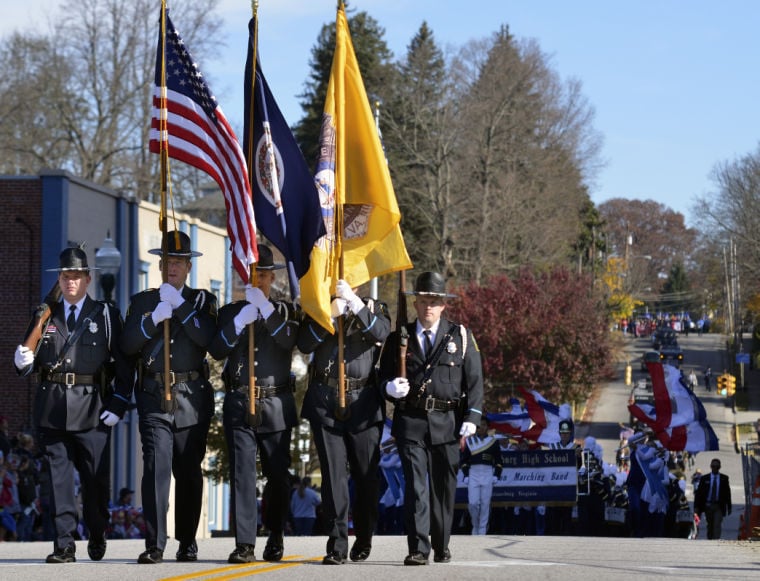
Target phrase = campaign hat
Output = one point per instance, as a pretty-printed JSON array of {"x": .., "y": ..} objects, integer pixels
[
  {"x": 72, "y": 258},
  {"x": 431, "y": 284},
  {"x": 178, "y": 245},
  {"x": 266, "y": 259}
]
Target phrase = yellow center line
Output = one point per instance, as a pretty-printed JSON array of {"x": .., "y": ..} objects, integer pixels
[{"x": 243, "y": 570}]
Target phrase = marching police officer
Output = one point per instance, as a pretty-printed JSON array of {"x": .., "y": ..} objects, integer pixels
[
  {"x": 77, "y": 358},
  {"x": 173, "y": 431},
  {"x": 444, "y": 374},
  {"x": 269, "y": 429},
  {"x": 352, "y": 435}
]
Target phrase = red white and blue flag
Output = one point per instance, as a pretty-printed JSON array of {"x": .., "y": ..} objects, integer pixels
[
  {"x": 546, "y": 417},
  {"x": 514, "y": 422},
  {"x": 190, "y": 126},
  {"x": 677, "y": 418}
]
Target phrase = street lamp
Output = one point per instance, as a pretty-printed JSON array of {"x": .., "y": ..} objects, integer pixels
[
  {"x": 108, "y": 260},
  {"x": 304, "y": 443}
]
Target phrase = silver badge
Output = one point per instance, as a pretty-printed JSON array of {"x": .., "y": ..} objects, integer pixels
[
  {"x": 451, "y": 347},
  {"x": 93, "y": 327}
]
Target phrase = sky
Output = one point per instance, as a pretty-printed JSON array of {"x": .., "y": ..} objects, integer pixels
[{"x": 675, "y": 84}]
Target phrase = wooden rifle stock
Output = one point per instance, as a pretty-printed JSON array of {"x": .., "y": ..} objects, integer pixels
[
  {"x": 40, "y": 318},
  {"x": 401, "y": 321}
]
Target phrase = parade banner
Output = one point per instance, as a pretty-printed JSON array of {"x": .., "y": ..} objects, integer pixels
[{"x": 534, "y": 477}]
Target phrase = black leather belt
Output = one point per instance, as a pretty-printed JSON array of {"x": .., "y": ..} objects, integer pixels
[
  {"x": 352, "y": 383},
  {"x": 263, "y": 390},
  {"x": 174, "y": 376},
  {"x": 69, "y": 379},
  {"x": 428, "y": 404}
]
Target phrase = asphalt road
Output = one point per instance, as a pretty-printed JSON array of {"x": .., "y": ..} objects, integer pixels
[{"x": 485, "y": 557}]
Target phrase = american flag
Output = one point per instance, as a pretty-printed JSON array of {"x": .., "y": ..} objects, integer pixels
[{"x": 197, "y": 133}]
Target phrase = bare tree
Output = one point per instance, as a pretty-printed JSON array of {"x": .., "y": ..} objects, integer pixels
[
  {"x": 420, "y": 133},
  {"x": 79, "y": 97},
  {"x": 528, "y": 151}
]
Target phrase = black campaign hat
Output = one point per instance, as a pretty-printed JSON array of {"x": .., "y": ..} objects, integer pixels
[
  {"x": 72, "y": 259},
  {"x": 266, "y": 259},
  {"x": 431, "y": 284},
  {"x": 174, "y": 249},
  {"x": 565, "y": 426}
]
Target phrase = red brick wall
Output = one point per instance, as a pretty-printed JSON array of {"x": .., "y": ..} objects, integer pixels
[{"x": 20, "y": 201}]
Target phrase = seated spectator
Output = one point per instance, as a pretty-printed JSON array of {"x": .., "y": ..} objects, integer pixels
[
  {"x": 137, "y": 530},
  {"x": 118, "y": 525},
  {"x": 8, "y": 501},
  {"x": 125, "y": 499},
  {"x": 26, "y": 485}
]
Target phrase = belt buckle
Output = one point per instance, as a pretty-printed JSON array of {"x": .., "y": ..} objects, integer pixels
[
  {"x": 172, "y": 378},
  {"x": 69, "y": 379},
  {"x": 429, "y": 403},
  {"x": 257, "y": 392}
]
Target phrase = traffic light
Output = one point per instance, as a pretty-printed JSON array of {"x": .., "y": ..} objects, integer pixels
[
  {"x": 730, "y": 385},
  {"x": 722, "y": 384}
]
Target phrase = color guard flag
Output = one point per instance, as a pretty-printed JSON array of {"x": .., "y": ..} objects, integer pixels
[
  {"x": 515, "y": 422},
  {"x": 190, "y": 126},
  {"x": 285, "y": 197},
  {"x": 678, "y": 417},
  {"x": 354, "y": 187},
  {"x": 545, "y": 415}
]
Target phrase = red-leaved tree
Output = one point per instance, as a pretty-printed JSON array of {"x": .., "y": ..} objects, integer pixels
[{"x": 543, "y": 331}]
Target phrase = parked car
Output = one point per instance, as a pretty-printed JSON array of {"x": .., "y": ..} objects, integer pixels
[
  {"x": 641, "y": 393},
  {"x": 649, "y": 357},
  {"x": 663, "y": 336},
  {"x": 672, "y": 354}
]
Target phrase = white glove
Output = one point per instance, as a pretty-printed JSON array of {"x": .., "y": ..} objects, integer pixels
[
  {"x": 256, "y": 297},
  {"x": 344, "y": 291},
  {"x": 398, "y": 387},
  {"x": 23, "y": 357},
  {"x": 109, "y": 418},
  {"x": 248, "y": 314},
  {"x": 466, "y": 480},
  {"x": 162, "y": 312},
  {"x": 467, "y": 429},
  {"x": 337, "y": 307},
  {"x": 495, "y": 480},
  {"x": 171, "y": 295}
]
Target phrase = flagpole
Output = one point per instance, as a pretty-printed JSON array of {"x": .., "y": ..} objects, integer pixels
[
  {"x": 253, "y": 419},
  {"x": 168, "y": 404},
  {"x": 341, "y": 411}
]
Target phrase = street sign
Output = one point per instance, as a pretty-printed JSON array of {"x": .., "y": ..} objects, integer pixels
[{"x": 742, "y": 358}]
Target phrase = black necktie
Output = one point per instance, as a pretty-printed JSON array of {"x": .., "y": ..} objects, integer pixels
[
  {"x": 428, "y": 344},
  {"x": 72, "y": 320}
]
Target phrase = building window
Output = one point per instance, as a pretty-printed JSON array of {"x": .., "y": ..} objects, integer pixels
[
  {"x": 142, "y": 275},
  {"x": 216, "y": 289}
]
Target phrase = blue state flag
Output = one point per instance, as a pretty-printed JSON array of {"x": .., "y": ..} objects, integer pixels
[{"x": 285, "y": 198}]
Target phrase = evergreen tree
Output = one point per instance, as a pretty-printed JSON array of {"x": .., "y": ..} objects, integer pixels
[{"x": 374, "y": 58}]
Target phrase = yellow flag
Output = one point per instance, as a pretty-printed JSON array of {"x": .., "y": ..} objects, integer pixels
[{"x": 355, "y": 190}]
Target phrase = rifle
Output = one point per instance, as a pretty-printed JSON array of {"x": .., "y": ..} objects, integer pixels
[
  {"x": 401, "y": 321},
  {"x": 41, "y": 316}
]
